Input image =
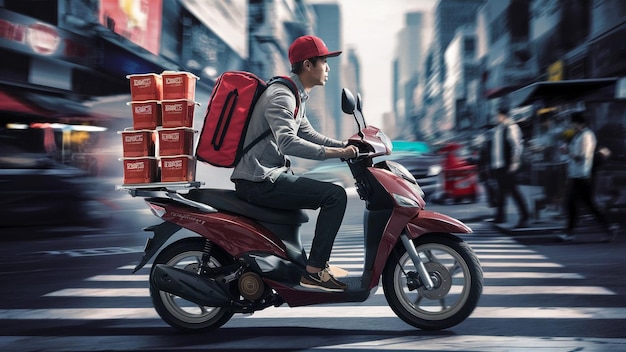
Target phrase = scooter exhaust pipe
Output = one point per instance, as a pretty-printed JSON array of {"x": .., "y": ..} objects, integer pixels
[{"x": 189, "y": 285}]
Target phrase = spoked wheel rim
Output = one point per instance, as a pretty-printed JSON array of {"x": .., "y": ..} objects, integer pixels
[
  {"x": 450, "y": 274},
  {"x": 181, "y": 308}
]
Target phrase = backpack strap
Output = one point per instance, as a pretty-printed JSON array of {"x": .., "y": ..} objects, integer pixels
[
  {"x": 285, "y": 80},
  {"x": 294, "y": 89},
  {"x": 255, "y": 141}
]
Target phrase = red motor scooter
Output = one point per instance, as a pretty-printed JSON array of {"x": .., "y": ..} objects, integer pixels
[{"x": 247, "y": 258}]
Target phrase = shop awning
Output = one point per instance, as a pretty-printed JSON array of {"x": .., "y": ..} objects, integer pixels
[{"x": 567, "y": 90}]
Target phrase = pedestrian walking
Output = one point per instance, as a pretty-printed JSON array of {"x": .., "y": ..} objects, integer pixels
[
  {"x": 505, "y": 151},
  {"x": 580, "y": 152}
]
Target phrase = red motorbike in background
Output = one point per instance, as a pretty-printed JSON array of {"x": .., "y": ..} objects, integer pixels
[
  {"x": 460, "y": 177},
  {"x": 247, "y": 258}
]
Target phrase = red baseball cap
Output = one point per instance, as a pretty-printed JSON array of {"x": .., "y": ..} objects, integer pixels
[{"x": 308, "y": 46}]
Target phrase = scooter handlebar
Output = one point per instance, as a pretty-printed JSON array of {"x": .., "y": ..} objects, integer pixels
[{"x": 359, "y": 155}]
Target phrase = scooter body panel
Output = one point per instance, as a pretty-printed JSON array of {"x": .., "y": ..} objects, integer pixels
[
  {"x": 428, "y": 221},
  {"x": 386, "y": 220},
  {"x": 235, "y": 234},
  {"x": 416, "y": 221},
  {"x": 422, "y": 223}
]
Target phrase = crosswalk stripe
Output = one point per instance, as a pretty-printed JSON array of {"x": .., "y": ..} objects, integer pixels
[
  {"x": 100, "y": 292},
  {"x": 487, "y": 290},
  {"x": 501, "y": 246},
  {"x": 132, "y": 267},
  {"x": 319, "y": 311},
  {"x": 134, "y": 277},
  {"x": 335, "y": 260},
  {"x": 546, "y": 290},
  {"x": 348, "y": 255},
  {"x": 519, "y": 265},
  {"x": 501, "y": 254},
  {"x": 529, "y": 275},
  {"x": 478, "y": 251},
  {"x": 479, "y": 312},
  {"x": 487, "y": 275},
  {"x": 511, "y": 256},
  {"x": 477, "y": 343}
]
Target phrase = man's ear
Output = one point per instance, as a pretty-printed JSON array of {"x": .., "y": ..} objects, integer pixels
[{"x": 307, "y": 64}]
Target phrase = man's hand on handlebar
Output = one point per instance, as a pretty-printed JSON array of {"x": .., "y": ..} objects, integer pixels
[
  {"x": 351, "y": 151},
  {"x": 347, "y": 152}
]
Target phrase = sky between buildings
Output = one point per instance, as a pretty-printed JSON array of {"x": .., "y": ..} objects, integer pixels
[{"x": 371, "y": 28}]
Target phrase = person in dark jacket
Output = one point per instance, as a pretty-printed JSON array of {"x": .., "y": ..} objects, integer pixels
[{"x": 504, "y": 153}]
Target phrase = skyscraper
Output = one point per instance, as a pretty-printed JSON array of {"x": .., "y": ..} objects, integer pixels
[
  {"x": 329, "y": 29},
  {"x": 409, "y": 51},
  {"x": 448, "y": 15}
]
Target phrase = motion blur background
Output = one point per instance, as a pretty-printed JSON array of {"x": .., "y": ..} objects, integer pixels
[{"x": 63, "y": 85}]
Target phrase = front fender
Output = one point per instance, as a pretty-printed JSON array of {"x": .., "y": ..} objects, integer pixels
[{"x": 430, "y": 221}]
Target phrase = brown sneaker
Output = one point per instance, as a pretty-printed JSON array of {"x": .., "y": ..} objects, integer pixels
[
  {"x": 322, "y": 280},
  {"x": 336, "y": 271}
]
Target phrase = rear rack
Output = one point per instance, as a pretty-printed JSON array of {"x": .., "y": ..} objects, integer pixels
[
  {"x": 167, "y": 189},
  {"x": 158, "y": 186}
]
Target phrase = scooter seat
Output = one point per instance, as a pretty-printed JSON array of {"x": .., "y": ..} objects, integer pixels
[{"x": 227, "y": 200}]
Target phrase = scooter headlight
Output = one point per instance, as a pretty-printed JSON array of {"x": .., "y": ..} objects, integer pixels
[
  {"x": 405, "y": 202},
  {"x": 401, "y": 171}
]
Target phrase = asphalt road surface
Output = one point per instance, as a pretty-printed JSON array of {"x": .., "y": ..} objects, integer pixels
[{"x": 77, "y": 292}]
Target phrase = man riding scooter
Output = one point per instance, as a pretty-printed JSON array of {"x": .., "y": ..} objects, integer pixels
[{"x": 263, "y": 176}]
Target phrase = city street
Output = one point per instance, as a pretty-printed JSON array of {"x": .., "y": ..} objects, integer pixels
[
  {"x": 102, "y": 100},
  {"x": 78, "y": 293}
]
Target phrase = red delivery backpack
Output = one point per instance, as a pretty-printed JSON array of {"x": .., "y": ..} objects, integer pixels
[{"x": 228, "y": 114}]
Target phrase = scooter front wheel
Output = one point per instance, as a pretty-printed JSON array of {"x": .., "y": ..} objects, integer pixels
[
  {"x": 455, "y": 272},
  {"x": 179, "y": 313}
]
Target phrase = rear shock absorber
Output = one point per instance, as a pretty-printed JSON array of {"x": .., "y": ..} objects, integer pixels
[{"x": 206, "y": 256}]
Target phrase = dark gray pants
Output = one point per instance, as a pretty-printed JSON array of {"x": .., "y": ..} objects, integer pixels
[
  {"x": 507, "y": 186},
  {"x": 580, "y": 191},
  {"x": 295, "y": 192}
]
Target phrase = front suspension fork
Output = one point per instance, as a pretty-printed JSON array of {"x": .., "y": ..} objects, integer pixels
[{"x": 417, "y": 261}]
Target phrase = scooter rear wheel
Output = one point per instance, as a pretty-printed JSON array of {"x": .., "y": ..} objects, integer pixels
[
  {"x": 456, "y": 274},
  {"x": 177, "y": 312}
]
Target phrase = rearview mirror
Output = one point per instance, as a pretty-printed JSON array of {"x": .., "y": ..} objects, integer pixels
[{"x": 347, "y": 101}]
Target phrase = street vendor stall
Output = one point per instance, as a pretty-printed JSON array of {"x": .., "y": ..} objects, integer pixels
[{"x": 598, "y": 97}]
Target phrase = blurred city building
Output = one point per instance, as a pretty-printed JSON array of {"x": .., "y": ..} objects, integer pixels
[
  {"x": 327, "y": 102},
  {"x": 482, "y": 51},
  {"x": 448, "y": 16},
  {"x": 507, "y": 60},
  {"x": 409, "y": 57},
  {"x": 351, "y": 79},
  {"x": 461, "y": 68}
]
